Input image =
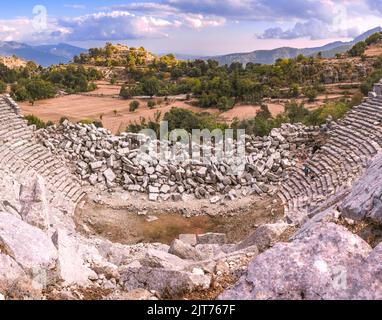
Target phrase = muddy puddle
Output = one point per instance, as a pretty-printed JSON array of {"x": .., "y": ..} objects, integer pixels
[{"x": 126, "y": 227}]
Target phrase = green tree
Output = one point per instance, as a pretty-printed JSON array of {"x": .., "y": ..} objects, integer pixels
[
  {"x": 151, "y": 104},
  {"x": 151, "y": 86},
  {"x": 134, "y": 105},
  {"x": 33, "y": 120},
  {"x": 311, "y": 93},
  {"x": 296, "y": 112},
  {"x": 373, "y": 38},
  {"x": 358, "y": 49},
  {"x": 125, "y": 92},
  {"x": 225, "y": 103},
  {"x": 3, "y": 87}
]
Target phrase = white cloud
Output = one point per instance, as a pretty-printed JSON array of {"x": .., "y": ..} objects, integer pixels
[
  {"x": 313, "y": 29},
  {"x": 115, "y": 25},
  {"x": 198, "y": 21},
  {"x": 75, "y": 6}
]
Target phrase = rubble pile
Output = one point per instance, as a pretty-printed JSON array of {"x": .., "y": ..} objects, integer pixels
[{"x": 110, "y": 161}]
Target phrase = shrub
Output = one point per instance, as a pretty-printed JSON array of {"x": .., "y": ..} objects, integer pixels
[
  {"x": 358, "y": 49},
  {"x": 373, "y": 38},
  {"x": 63, "y": 119},
  {"x": 33, "y": 120},
  {"x": 125, "y": 92},
  {"x": 356, "y": 99},
  {"x": 32, "y": 90},
  {"x": 296, "y": 112},
  {"x": 92, "y": 86},
  {"x": 97, "y": 123},
  {"x": 225, "y": 103},
  {"x": 151, "y": 104},
  {"x": 294, "y": 90},
  {"x": 19, "y": 93},
  {"x": 188, "y": 120},
  {"x": 134, "y": 105},
  {"x": 3, "y": 87},
  {"x": 311, "y": 93},
  {"x": 319, "y": 116}
]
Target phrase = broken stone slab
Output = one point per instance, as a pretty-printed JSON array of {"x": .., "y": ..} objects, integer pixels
[
  {"x": 109, "y": 175},
  {"x": 93, "y": 179},
  {"x": 165, "y": 188},
  {"x": 71, "y": 265},
  {"x": 264, "y": 237},
  {"x": 202, "y": 172},
  {"x": 134, "y": 187},
  {"x": 27, "y": 245},
  {"x": 186, "y": 251},
  {"x": 215, "y": 199},
  {"x": 153, "y": 189},
  {"x": 161, "y": 259},
  {"x": 168, "y": 283},
  {"x": 153, "y": 197},
  {"x": 96, "y": 165},
  {"x": 34, "y": 203},
  {"x": 188, "y": 238},
  {"x": 212, "y": 238}
]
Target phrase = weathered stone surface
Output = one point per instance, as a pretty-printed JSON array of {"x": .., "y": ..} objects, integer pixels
[
  {"x": 10, "y": 272},
  {"x": 186, "y": 251},
  {"x": 264, "y": 237},
  {"x": 364, "y": 200},
  {"x": 188, "y": 238},
  {"x": 212, "y": 238},
  {"x": 34, "y": 203},
  {"x": 109, "y": 175},
  {"x": 29, "y": 246},
  {"x": 161, "y": 259},
  {"x": 311, "y": 267},
  {"x": 170, "y": 283},
  {"x": 71, "y": 264}
]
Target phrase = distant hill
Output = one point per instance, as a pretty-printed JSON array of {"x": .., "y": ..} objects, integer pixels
[
  {"x": 116, "y": 55},
  {"x": 270, "y": 56},
  {"x": 13, "y": 62},
  {"x": 44, "y": 55}
]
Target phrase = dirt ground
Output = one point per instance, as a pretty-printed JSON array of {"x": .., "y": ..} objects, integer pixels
[
  {"x": 127, "y": 221},
  {"x": 374, "y": 51},
  {"x": 115, "y": 115}
]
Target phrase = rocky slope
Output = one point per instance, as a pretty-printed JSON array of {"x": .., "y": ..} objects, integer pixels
[{"x": 336, "y": 252}]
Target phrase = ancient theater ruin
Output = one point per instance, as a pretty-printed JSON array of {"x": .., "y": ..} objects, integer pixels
[{"x": 316, "y": 234}]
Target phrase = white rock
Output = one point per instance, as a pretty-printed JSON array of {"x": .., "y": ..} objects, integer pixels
[
  {"x": 109, "y": 175},
  {"x": 27, "y": 245}
]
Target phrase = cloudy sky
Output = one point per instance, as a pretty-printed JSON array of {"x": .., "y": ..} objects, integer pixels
[{"x": 199, "y": 27}]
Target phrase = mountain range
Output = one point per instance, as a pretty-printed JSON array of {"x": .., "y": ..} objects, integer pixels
[
  {"x": 47, "y": 55},
  {"x": 270, "y": 56},
  {"x": 44, "y": 55}
]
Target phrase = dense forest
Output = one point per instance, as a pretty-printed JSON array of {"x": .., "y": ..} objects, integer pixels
[{"x": 32, "y": 82}]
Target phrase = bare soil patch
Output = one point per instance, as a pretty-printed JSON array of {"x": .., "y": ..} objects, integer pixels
[{"x": 127, "y": 225}]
